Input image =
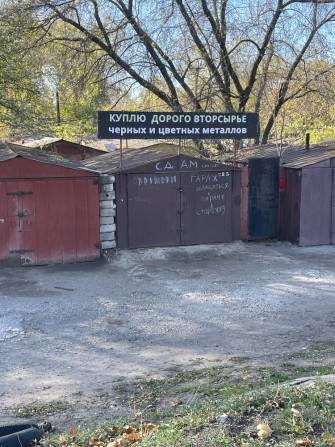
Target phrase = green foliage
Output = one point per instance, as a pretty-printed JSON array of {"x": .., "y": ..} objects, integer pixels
[
  {"x": 30, "y": 77},
  {"x": 76, "y": 75},
  {"x": 39, "y": 409},
  {"x": 20, "y": 93}
]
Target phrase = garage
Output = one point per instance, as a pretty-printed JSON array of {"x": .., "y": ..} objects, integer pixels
[
  {"x": 291, "y": 197},
  {"x": 49, "y": 208},
  {"x": 308, "y": 204},
  {"x": 169, "y": 200}
]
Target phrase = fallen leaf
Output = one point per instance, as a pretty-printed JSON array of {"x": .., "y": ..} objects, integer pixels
[
  {"x": 264, "y": 431},
  {"x": 62, "y": 439},
  {"x": 263, "y": 426},
  {"x": 263, "y": 434},
  {"x": 133, "y": 437},
  {"x": 304, "y": 441}
]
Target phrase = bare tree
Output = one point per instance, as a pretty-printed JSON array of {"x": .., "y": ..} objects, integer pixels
[{"x": 243, "y": 48}]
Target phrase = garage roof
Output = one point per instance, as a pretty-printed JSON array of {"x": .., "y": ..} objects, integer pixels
[
  {"x": 131, "y": 158},
  {"x": 292, "y": 157},
  {"x": 9, "y": 151}
]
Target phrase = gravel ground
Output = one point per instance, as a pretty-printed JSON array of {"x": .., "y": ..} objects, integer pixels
[{"x": 70, "y": 333}]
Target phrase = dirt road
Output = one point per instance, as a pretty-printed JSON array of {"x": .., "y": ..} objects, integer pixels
[{"x": 68, "y": 334}]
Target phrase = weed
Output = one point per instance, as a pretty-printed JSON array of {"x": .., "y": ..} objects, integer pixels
[
  {"x": 185, "y": 408},
  {"x": 41, "y": 409}
]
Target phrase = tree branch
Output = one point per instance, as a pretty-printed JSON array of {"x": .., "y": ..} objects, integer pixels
[
  {"x": 115, "y": 57},
  {"x": 285, "y": 85},
  {"x": 203, "y": 51},
  {"x": 252, "y": 78},
  {"x": 225, "y": 60}
]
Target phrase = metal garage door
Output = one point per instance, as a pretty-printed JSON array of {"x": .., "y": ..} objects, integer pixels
[
  {"x": 316, "y": 208},
  {"x": 49, "y": 221},
  {"x": 185, "y": 208},
  {"x": 154, "y": 210},
  {"x": 207, "y": 208},
  {"x": 19, "y": 224}
]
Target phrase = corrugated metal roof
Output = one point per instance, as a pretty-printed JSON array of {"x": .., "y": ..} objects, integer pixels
[
  {"x": 292, "y": 157},
  {"x": 131, "y": 158},
  {"x": 5, "y": 152},
  {"x": 307, "y": 157},
  {"x": 36, "y": 143},
  {"x": 169, "y": 145},
  {"x": 10, "y": 150},
  {"x": 47, "y": 142}
]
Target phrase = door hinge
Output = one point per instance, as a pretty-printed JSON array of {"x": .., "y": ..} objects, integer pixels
[{"x": 19, "y": 193}]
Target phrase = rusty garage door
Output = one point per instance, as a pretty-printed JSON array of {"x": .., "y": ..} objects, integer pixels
[
  {"x": 44, "y": 221},
  {"x": 19, "y": 221},
  {"x": 183, "y": 208}
]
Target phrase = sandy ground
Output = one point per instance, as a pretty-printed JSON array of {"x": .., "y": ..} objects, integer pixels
[{"x": 70, "y": 333}]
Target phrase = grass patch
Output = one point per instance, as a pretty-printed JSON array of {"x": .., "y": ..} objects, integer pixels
[
  {"x": 41, "y": 409},
  {"x": 319, "y": 350},
  {"x": 209, "y": 408},
  {"x": 291, "y": 369},
  {"x": 294, "y": 415},
  {"x": 325, "y": 346}
]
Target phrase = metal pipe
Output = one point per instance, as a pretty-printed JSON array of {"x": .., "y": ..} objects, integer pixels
[{"x": 308, "y": 137}]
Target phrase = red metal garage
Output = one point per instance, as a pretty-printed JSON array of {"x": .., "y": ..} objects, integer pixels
[{"x": 49, "y": 208}]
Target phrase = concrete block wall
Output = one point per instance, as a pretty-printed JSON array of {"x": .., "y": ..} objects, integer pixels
[{"x": 107, "y": 212}]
